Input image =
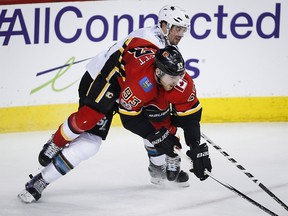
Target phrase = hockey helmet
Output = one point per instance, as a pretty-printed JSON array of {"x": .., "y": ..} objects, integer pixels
[
  {"x": 174, "y": 15},
  {"x": 170, "y": 61}
]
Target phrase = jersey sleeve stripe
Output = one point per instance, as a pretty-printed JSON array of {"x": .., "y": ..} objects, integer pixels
[
  {"x": 129, "y": 113},
  {"x": 190, "y": 111}
]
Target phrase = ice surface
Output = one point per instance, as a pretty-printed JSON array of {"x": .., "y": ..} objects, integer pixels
[{"x": 115, "y": 182}]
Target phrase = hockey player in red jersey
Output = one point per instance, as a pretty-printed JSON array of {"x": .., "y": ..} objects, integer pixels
[
  {"x": 98, "y": 106},
  {"x": 167, "y": 84}
]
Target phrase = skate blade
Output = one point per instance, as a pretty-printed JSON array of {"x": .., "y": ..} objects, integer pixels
[
  {"x": 26, "y": 197},
  {"x": 180, "y": 184},
  {"x": 157, "y": 181},
  {"x": 172, "y": 184}
]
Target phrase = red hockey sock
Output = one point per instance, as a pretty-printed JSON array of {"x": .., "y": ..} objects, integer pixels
[{"x": 85, "y": 119}]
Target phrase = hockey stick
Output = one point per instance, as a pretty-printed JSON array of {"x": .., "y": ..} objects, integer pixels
[
  {"x": 244, "y": 171},
  {"x": 228, "y": 186}
]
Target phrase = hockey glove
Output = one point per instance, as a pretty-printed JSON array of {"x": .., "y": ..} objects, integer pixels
[
  {"x": 164, "y": 142},
  {"x": 201, "y": 161}
]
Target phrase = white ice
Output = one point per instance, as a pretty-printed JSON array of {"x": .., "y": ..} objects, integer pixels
[{"x": 115, "y": 182}]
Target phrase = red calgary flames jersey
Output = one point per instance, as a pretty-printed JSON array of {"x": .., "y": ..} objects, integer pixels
[{"x": 140, "y": 91}]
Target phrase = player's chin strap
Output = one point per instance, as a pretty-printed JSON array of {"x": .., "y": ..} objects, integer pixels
[
  {"x": 228, "y": 186},
  {"x": 165, "y": 35},
  {"x": 167, "y": 42}
]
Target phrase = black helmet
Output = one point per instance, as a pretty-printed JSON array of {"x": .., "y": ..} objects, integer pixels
[{"x": 170, "y": 61}]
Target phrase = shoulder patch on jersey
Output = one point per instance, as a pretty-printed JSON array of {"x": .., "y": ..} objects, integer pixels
[
  {"x": 181, "y": 85},
  {"x": 146, "y": 84}
]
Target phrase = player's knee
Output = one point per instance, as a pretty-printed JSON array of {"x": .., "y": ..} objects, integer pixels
[
  {"x": 82, "y": 148},
  {"x": 90, "y": 145},
  {"x": 85, "y": 119}
]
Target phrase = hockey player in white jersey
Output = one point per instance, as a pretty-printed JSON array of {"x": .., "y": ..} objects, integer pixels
[{"x": 173, "y": 22}]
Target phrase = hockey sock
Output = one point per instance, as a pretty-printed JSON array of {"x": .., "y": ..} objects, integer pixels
[{"x": 78, "y": 122}]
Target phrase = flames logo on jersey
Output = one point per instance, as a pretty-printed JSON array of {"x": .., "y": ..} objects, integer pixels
[{"x": 165, "y": 54}]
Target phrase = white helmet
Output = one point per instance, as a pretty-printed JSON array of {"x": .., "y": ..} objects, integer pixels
[{"x": 174, "y": 15}]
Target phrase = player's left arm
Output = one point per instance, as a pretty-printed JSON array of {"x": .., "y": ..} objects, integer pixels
[
  {"x": 189, "y": 121},
  {"x": 187, "y": 110},
  {"x": 187, "y": 115}
]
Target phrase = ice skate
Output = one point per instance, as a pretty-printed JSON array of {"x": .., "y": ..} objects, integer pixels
[
  {"x": 172, "y": 167},
  {"x": 182, "y": 179},
  {"x": 33, "y": 189},
  {"x": 157, "y": 173},
  {"x": 48, "y": 152},
  {"x": 158, "y": 177},
  {"x": 174, "y": 175}
]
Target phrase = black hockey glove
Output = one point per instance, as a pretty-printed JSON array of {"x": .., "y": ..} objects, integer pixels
[
  {"x": 201, "y": 161},
  {"x": 164, "y": 142}
]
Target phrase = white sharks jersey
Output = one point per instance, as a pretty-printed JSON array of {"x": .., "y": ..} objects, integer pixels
[{"x": 152, "y": 34}]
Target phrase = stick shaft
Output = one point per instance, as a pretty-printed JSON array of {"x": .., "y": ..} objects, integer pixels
[
  {"x": 248, "y": 174},
  {"x": 228, "y": 186}
]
